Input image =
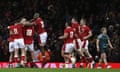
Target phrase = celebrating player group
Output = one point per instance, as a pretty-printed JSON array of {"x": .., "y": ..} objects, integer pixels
[
  {"x": 76, "y": 35},
  {"x": 21, "y": 37}
]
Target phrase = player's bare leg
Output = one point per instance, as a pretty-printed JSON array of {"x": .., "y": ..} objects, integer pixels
[
  {"x": 16, "y": 57},
  {"x": 105, "y": 60},
  {"x": 90, "y": 58},
  {"x": 25, "y": 62},
  {"x": 82, "y": 57},
  {"x": 23, "y": 55},
  {"x": 66, "y": 59},
  {"x": 32, "y": 55},
  {"x": 11, "y": 59},
  {"x": 33, "y": 60},
  {"x": 42, "y": 48},
  {"x": 100, "y": 61}
]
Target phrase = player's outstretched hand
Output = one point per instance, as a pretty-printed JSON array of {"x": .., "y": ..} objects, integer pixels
[
  {"x": 8, "y": 27},
  {"x": 60, "y": 37}
]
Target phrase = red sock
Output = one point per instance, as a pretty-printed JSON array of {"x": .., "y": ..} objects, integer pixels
[
  {"x": 23, "y": 58},
  {"x": 84, "y": 59},
  {"x": 90, "y": 59},
  {"x": 16, "y": 59},
  {"x": 10, "y": 62}
]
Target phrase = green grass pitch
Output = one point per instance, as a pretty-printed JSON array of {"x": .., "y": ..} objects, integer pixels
[{"x": 57, "y": 70}]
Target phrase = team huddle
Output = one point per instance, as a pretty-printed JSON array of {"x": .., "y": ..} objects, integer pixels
[
  {"x": 22, "y": 37},
  {"x": 75, "y": 37}
]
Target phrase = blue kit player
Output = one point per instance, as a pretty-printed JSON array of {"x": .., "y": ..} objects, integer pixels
[{"x": 102, "y": 43}]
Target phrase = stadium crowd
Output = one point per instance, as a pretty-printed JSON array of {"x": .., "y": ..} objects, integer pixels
[{"x": 98, "y": 13}]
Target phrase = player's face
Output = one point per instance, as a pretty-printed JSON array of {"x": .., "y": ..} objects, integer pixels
[
  {"x": 23, "y": 20},
  {"x": 82, "y": 22},
  {"x": 104, "y": 30},
  {"x": 66, "y": 24},
  {"x": 73, "y": 20}
]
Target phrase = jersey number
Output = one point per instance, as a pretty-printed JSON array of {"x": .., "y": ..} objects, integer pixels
[
  {"x": 15, "y": 31},
  {"x": 29, "y": 32}
]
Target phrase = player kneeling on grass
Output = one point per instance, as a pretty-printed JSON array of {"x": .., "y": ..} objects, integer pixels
[
  {"x": 68, "y": 46},
  {"x": 102, "y": 42}
]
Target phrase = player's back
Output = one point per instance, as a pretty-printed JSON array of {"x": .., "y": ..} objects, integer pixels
[
  {"x": 11, "y": 33},
  {"x": 103, "y": 40},
  {"x": 18, "y": 31},
  {"x": 70, "y": 37},
  {"x": 28, "y": 31},
  {"x": 28, "y": 34},
  {"x": 40, "y": 25},
  {"x": 76, "y": 27},
  {"x": 84, "y": 31}
]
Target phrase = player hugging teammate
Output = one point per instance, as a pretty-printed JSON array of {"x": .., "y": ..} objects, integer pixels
[
  {"x": 76, "y": 38},
  {"x": 21, "y": 37},
  {"x": 76, "y": 35}
]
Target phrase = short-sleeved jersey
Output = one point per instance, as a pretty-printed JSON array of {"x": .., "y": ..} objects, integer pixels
[
  {"x": 103, "y": 40},
  {"x": 17, "y": 30},
  {"x": 76, "y": 28},
  {"x": 11, "y": 32},
  {"x": 39, "y": 25},
  {"x": 28, "y": 34},
  {"x": 84, "y": 31},
  {"x": 70, "y": 33}
]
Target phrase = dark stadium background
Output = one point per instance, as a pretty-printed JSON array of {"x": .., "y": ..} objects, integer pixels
[{"x": 54, "y": 13}]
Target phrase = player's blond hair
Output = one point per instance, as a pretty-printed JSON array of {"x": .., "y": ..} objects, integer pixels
[{"x": 103, "y": 28}]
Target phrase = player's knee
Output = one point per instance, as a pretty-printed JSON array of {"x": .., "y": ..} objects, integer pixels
[
  {"x": 42, "y": 44},
  {"x": 102, "y": 55}
]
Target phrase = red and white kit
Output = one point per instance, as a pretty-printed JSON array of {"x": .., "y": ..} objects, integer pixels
[
  {"x": 18, "y": 36},
  {"x": 11, "y": 38},
  {"x": 77, "y": 41},
  {"x": 84, "y": 32},
  {"x": 42, "y": 34},
  {"x": 28, "y": 34},
  {"x": 68, "y": 42}
]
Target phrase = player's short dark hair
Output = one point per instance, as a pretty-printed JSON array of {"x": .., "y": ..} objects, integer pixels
[
  {"x": 83, "y": 19},
  {"x": 36, "y": 15},
  {"x": 74, "y": 18},
  {"x": 69, "y": 23}
]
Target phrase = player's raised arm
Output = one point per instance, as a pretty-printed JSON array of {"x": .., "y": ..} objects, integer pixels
[
  {"x": 27, "y": 23},
  {"x": 24, "y": 22}
]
